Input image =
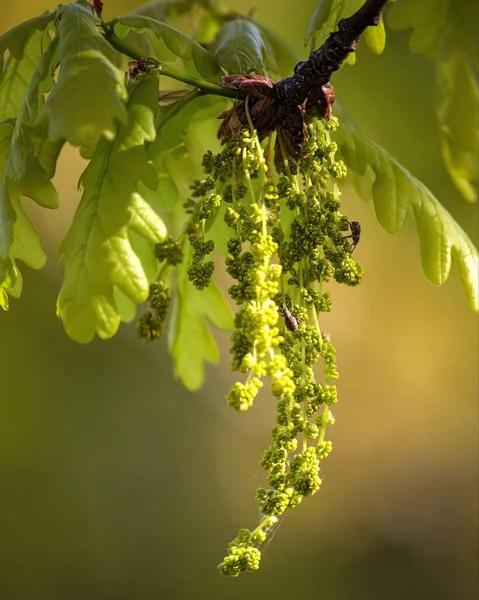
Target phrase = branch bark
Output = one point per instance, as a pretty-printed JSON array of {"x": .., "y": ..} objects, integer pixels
[
  {"x": 315, "y": 72},
  {"x": 282, "y": 106}
]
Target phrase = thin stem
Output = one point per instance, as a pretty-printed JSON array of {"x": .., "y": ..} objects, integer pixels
[
  {"x": 235, "y": 199},
  {"x": 316, "y": 324},
  {"x": 304, "y": 411},
  {"x": 207, "y": 87},
  {"x": 322, "y": 431},
  {"x": 176, "y": 108},
  {"x": 283, "y": 292},
  {"x": 248, "y": 115},
  {"x": 163, "y": 272},
  {"x": 262, "y": 163},
  {"x": 248, "y": 178}
]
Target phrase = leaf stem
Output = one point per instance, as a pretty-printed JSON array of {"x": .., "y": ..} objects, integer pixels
[
  {"x": 175, "y": 109},
  {"x": 206, "y": 87}
]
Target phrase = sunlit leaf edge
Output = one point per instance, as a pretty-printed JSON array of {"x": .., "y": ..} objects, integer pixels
[{"x": 395, "y": 192}]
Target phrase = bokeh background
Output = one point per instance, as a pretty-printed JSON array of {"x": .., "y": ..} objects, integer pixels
[{"x": 116, "y": 483}]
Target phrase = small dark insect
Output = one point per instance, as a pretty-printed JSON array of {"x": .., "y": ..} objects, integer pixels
[
  {"x": 355, "y": 236},
  {"x": 292, "y": 323},
  {"x": 137, "y": 67}
]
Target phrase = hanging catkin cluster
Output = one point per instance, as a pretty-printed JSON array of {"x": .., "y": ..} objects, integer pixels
[{"x": 288, "y": 239}]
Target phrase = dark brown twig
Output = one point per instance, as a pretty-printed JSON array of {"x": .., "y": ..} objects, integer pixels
[
  {"x": 282, "y": 106},
  {"x": 321, "y": 64}
]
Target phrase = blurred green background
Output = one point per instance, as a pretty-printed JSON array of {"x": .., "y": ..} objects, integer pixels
[{"x": 116, "y": 483}]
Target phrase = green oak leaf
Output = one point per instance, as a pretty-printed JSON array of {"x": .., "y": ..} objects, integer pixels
[
  {"x": 7, "y": 212},
  {"x": 142, "y": 247},
  {"x": 166, "y": 196},
  {"x": 285, "y": 56},
  {"x": 458, "y": 117},
  {"x": 427, "y": 34},
  {"x": 14, "y": 291},
  {"x": 177, "y": 42},
  {"x": 17, "y": 76},
  {"x": 242, "y": 47},
  {"x": 88, "y": 99},
  {"x": 438, "y": 23},
  {"x": 33, "y": 156},
  {"x": 190, "y": 340},
  {"x": 18, "y": 239},
  {"x": 325, "y": 19},
  {"x": 3, "y": 299},
  {"x": 27, "y": 165},
  {"x": 450, "y": 37},
  {"x": 169, "y": 9},
  {"x": 321, "y": 14},
  {"x": 395, "y": 193},
  {"x": 138, "y": 41},
  {"x": 17, "y": 38},
  {"x": 169, "y": 152},
  {"x": 98, "y": 250},
  {"x": 376, "y": 38}
]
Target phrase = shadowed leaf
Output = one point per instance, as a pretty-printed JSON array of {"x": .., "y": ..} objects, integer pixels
[
  {"x": 27, "y": 164},
  {"x": 242, "y": 47},
  {"x": 17, "y": 38},
  {"x": 99, "y": 254},
  {"x": 88, "y": 99},
  {"x": 189, "y": 337},
  {"x": 177, "y": 42}
]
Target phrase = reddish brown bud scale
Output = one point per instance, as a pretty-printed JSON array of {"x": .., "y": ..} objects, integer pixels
[
  {"x": 320, "y": 102},
  {"x": 268, "y": 114},
  {"x": 97, "y": 7}
]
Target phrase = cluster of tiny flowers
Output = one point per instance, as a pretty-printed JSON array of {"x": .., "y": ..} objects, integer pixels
[
  {"x": 290, "y": 239},
  {"x": 203, "y": 206},
  {"x": 169, "y": 251},
  {"x": 243, "y": 552},
  {"x": 250, "y": 251},
  {"x": 150, "y": 324}
]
